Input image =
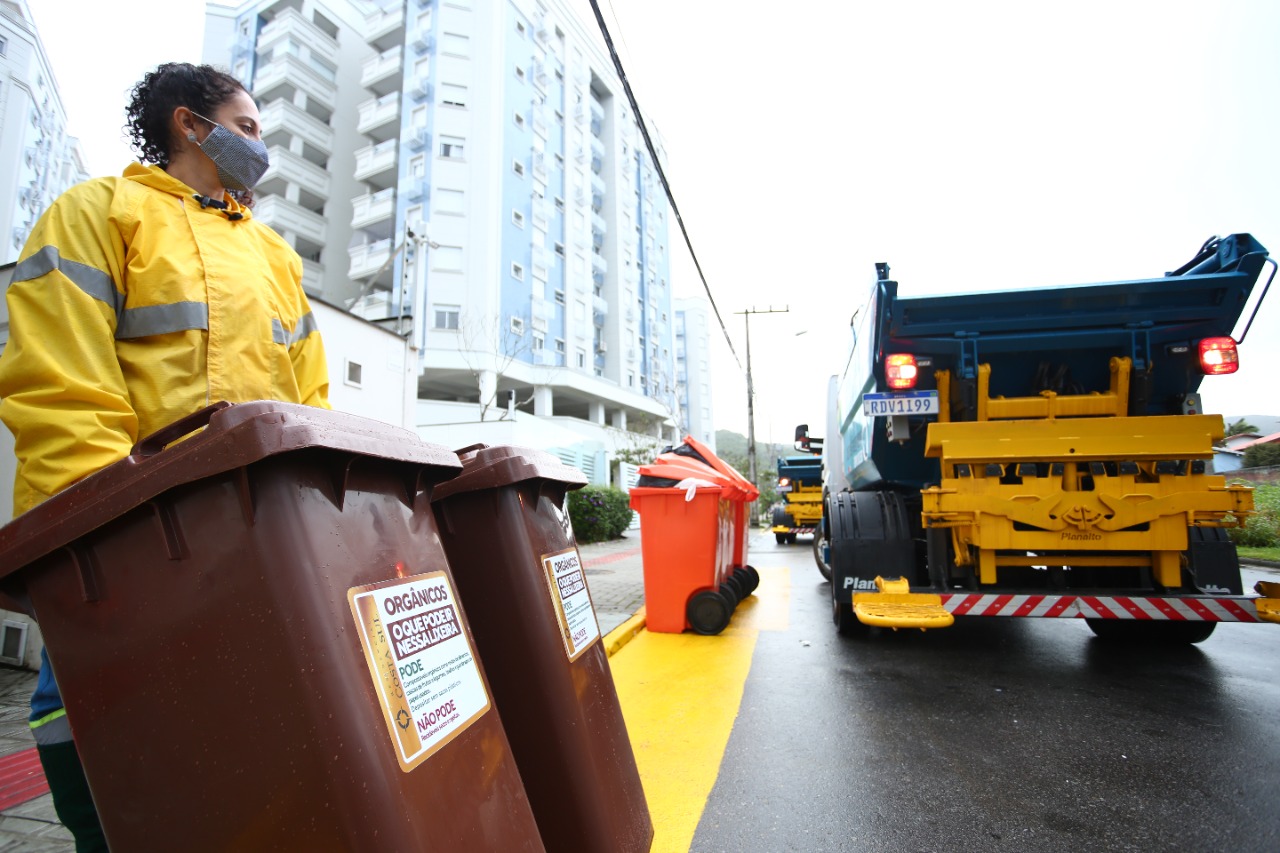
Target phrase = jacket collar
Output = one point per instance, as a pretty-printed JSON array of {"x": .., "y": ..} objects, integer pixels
[{"x": 158, "y": 179}]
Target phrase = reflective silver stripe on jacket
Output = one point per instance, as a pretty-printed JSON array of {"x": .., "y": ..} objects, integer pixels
[
  {"x": 150, "y": 320},
  {"x": 57, "y": 730},
  {"x": 91, "y": 280},
  {"x": 306, "y": 325}
]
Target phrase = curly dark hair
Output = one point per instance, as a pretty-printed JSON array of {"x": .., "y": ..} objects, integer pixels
[{"x": 200, "y": 88}]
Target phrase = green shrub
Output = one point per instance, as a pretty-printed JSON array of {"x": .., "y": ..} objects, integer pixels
[
  {"x": 598, "y": 513},
  {"x": 1263, "y": 527}
]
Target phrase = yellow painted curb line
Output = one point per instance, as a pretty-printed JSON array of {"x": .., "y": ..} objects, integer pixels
[{"x": 624, "y": 633}]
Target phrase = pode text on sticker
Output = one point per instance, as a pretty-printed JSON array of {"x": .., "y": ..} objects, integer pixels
[
  {"x": 423, "y": 663},
  {"x": 572, "y": 601}
]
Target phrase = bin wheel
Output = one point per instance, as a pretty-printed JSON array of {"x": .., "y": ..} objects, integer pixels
[
  {"x": 781, "y": 537},
  {"x": 1170, "y": 633},
  {"x": 735, "y": 583},
  {"x": 748, "y": 579},
  {"x": 708, "y": 612},
  {"x": 754, "y": 575},
  {"x": 731, "y": 594}
]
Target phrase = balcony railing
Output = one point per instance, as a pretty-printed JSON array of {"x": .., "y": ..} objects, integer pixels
[
  {"x": 289, "y": 23},
  {"x": 382, "y": 73},
  {"x": 282, "y": 74},
  {"x": 368, "y": 258},
  {"x": 380, "y": 117},
  {"x": 386, "y": 28},
  {"x": 292, "y": 168},
  {"x": 373, "y": 208},
  {"x": 287, "y": 217},
  {"x": 377, "y": 164},
  {"x": 281, "y": 115}
]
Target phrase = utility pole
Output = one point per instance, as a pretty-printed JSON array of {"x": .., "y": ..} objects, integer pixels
[{"x": 751, "y": 391}]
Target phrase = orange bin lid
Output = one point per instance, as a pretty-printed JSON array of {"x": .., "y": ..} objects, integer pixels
[
  {"x": 675, "y": 467},
  {"x": 721, "y": 466}
]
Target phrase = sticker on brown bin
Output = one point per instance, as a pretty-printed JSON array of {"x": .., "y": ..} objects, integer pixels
[
  {"x": 423, "y": 664},
  {"x": 572, "y": 601}
]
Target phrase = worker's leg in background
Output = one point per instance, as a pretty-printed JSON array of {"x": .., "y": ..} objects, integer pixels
[{"x": 61, "y": 763}]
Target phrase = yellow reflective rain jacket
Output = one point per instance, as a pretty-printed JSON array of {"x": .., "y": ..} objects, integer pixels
[{"x": 130, "y": 307}]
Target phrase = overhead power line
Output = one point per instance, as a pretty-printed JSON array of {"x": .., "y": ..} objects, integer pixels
[{"x": 657, "y": 165}]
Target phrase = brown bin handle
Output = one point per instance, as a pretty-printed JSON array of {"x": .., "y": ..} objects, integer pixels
[{"x": 161, "y": 438}]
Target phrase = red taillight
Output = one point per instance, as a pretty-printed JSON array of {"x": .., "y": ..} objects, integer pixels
[
  {"x": 1219, "y": 356},
  {"x": 900, "y": 371}
]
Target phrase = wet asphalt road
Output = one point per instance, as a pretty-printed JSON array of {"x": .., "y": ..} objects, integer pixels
[{"x": 997, "y": 734}]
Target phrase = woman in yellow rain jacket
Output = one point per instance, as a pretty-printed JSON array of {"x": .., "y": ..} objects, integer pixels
[{"x": 138, "y": 300}]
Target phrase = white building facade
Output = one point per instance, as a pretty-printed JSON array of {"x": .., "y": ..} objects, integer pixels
[
  {"x": 38, "y": 160},
  {"x": 693, "y": 368},
  {"x": 470, "y": 176}
]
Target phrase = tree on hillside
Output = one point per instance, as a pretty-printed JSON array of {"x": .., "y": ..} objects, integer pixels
[{"x": 1262, "y": 456}]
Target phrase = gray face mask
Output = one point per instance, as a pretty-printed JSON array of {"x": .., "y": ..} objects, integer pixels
[{"x": 241, "y": 162}]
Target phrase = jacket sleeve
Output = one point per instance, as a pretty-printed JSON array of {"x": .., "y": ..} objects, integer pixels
[
  {"x": 310, "y": 369},
  {"x": 64, "y": 395}
]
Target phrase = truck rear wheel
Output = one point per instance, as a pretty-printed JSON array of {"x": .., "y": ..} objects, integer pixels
[
  {"x": 819, "y": 550},
  {"x": 1165, "y": 633},
  {"x": 847, "y": 624},
  {"x": 781, "y": 537}
]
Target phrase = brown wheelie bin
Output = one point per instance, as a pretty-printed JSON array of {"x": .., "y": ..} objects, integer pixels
[
  {"x": 260, "y": 644},
  {"x": 506, "y": 531}
]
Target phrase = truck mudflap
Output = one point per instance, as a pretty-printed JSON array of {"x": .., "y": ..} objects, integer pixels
[{"x": 895, "y": 606}]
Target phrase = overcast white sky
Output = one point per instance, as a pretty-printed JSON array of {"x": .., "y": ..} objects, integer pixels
[{"x": 973, "y": 146}]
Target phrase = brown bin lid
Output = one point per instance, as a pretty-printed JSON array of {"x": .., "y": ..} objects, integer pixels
[
  {"x": 236, "y": 436},
  {"x": 486, "y": 467}
]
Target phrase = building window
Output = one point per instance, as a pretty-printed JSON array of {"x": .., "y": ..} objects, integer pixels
[
  {"x": 520, "y": 27},
  {"x": 559, "y": 345},
  {"x": 538, "y": 341},
  {"x": 559, "y": 297},
  {"x": 517, "y": 167},
  {"x": 519, "y": 73},
  {"x": 352, "y": 373},
  {"x": 453, "y": 95},
  {"x": 519, "y": 120},
  {"x": 455, "y": 44},
  {"x": 446, "y": 258},
  {"x": 446, "y": 317},
  {"x": 450, "y": 202},
  {"x": 560, "y": 249},
  {"x": 452, "y": 147},
  {"x": 517, "y": 218},
  {"x": 418, "y": 167},
  {"x": 517, "y": 272},
  {"x": 582, "y": 358},
  {"x": 517, "y": 326}
]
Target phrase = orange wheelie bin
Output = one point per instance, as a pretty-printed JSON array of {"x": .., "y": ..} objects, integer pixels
[
  {"x": 686, "y": 541},
  {"x": 261, "y": 646},
  {"x": 745, "y": 575}
]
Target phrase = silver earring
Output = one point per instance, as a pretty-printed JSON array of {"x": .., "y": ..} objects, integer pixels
[{"x": 191, "y": 137}]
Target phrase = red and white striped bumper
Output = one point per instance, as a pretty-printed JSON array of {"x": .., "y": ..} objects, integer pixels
[{"x": 1174, "y": 608}]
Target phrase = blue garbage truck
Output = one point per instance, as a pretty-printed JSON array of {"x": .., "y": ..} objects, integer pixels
[{"x": 1041, "y": 453}]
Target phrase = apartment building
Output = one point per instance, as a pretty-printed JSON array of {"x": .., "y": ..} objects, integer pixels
[
  {"x": 38, "y": 160},
  {"x": 469, "y": 175},
  {"x": 693, "y": 369}
]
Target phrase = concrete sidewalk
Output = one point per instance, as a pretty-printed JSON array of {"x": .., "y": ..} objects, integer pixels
[{"x": 614, "y": 575}]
